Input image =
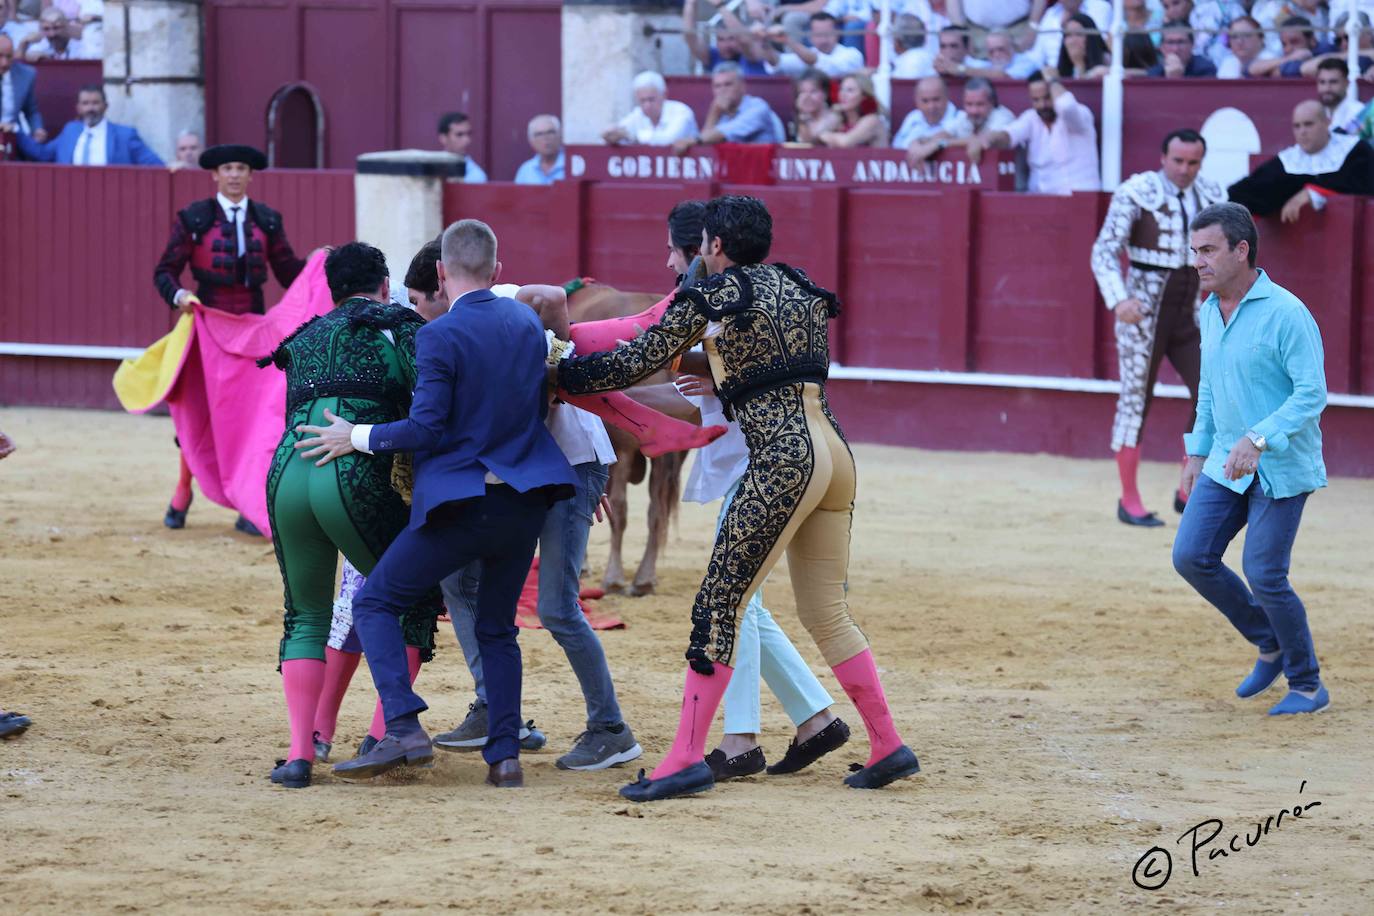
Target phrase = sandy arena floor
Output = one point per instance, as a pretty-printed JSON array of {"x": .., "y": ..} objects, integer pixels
[{"x": 1069, "y": 697}]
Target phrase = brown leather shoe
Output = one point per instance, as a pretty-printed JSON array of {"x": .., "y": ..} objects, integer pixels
[{"x": 506, "y": 774}]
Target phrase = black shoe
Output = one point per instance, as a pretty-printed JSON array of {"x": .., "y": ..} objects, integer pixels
[
  {"x": 12, "y": 724},
  {"x": 1179, "y": 503},
  {"x": 366, "y": 745},
  {"x": 293, "y": 774},
  {"x": 175, "y": 518},
  {"x": 801, "y": 756},
  {"x": 899, "y": 763},
  {"x": 1148, "y": 520},
  {"x": 390, "y": 753},
  {"x": 322, "y": 748},
  {"x": 244, "y": 526},
  {"x": 746, "y": 764},
  {"x": 695, "y": 778}
]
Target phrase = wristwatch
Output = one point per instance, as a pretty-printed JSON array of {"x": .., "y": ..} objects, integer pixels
[{"x": 1258, "y": 441}]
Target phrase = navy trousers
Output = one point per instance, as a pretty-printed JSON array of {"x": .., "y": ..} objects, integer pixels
[{"x": 500, "y": 530}]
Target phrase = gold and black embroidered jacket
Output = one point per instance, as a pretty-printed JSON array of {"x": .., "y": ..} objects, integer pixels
[{"x": 774, "y": 332}]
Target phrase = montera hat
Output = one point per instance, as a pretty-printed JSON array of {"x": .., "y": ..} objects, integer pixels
[{"x": 216, "y": 156}]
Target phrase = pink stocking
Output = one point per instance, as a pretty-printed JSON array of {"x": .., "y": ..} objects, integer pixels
[
  {"x": 181, "y": 496},
  {"x": 700, "y": 699},
  {"x": 378, "y": 729},
  {"x": 302, "y": 680},
  {"x": 859, "y": 678},
  {"x": 338, "y": 672},
  {"x": 658, "y": 433},
  {"x": 1181, "y": 495},
  {"x": 1127, "y": 468},
  {"x": 599, "y": 336}
]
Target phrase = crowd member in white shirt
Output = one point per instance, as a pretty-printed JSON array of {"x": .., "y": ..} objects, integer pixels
[
  {"x": 1004, "y": 61},
  {"x": 954, "y": 58},
  {"x": 982, "y": 112},
  {"x": 989, "y": 14},
  {"x": 1059, "y": 136},
  {"x": 1050, "y": 28},
  {"x": 1333, "y": 91},
  {"x": 826, "y": 54},
  {"x": 1246, "y": 46},
  {"x": 912, "y": 60},
  {"x": 934, "y": 114},
  {"x": 56, "y": 42},
  {"x": 933, "y": 13},
  {"x": 656, "y": 120}
]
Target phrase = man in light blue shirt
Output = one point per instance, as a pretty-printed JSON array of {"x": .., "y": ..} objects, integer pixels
[
  {"x": 455, "y": 136},
  {"x": 734, "y": 117},
  {"x": 547, "y": 164},
  {"x": 1255, "y": 453},
  {"x": 934, "y": 114}
]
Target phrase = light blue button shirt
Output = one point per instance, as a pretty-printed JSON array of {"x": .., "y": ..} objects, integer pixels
[
  {"x": 752, "y": 122},
  {"x": 1263, "y": 371},
  {"x": 530, "y": 172}
]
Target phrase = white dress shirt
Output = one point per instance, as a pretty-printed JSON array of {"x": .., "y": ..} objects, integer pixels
[
  {"x": 996, "y": 14},
  {"x": 91, "y": 145},
  {"x": 228, "y": 206},
  {"x": 1062, "y": 157},
  {"x": 915, "y": 126},
  {"x": 8, "y": 103},
  {"x": 842, "y": 61},
  {"x": 677, "y": 122},
  {"x": 913, "y": 64}
]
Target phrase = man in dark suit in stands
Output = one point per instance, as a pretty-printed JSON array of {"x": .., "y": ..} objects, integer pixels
[
  {"x": 486, "y": 471},
  {"x": 17, "y": 96},
  {"x": 91, "y": 139}
]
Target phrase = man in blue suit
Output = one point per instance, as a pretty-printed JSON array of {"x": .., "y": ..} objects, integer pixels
[
  {"x": 17, "y": 95},
  {"x": 486, "y": 471},
  {"x": 91, "y": 140}
]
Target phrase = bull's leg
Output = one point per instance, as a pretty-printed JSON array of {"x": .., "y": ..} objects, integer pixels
[
  {"x": 614, "y": 579},
  {"x": 646, "y": 576}
]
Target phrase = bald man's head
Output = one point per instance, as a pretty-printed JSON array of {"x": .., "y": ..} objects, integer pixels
[
  {"x": 932, "y": 98},
  {"x": 1311, "y": 128}
]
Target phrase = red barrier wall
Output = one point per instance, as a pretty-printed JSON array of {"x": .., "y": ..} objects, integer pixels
[
  {"x": 88, "y": 240},
  {"x": 385, "y": 70},
  {"x": 955, "y": 280}
]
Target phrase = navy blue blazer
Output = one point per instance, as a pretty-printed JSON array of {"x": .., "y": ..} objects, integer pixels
[
  {"x": 23, "y": 78},
  {"x": 123, "y": 146},
  {"x": 479, "y": 406}
]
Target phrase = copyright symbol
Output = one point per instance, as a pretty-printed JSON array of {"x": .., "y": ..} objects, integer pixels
[{"x": 1153, "y": 869}]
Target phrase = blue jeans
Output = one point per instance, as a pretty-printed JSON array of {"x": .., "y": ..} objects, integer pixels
[
  {"x": 1268, "y": 613},
  {"x": 562, "y": 548}
]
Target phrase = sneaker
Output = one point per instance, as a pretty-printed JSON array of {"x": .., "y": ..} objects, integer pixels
[
  {"x": 470, "y": 735},
  {"x": 599, "y": 748}
]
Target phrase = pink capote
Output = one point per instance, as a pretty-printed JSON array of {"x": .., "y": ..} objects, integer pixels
[{"x": 228, "y": 413}]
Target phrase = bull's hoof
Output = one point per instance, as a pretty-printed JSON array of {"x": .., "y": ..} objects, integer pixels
[
  {"x": 640, "y": 589},
  {"x": 615, "y": 588}
]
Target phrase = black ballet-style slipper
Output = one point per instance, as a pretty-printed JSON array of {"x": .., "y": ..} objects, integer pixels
[
  {"x": 695, "y": 778},
  {"x": 801, "y": 756},
  {"x": 13, "y": 724},
  {"x": 293, "y": 774},
  {"x": 1179, "y": 504},
  {"x": 1148, "y": 520},
  {"x": 175, "y": 518},
  {"x": 746, "y": 764},
  {"x": 899, "y": 763}
]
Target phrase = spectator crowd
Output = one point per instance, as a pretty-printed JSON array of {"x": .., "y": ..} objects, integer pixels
[{"x": 828, "y": 49}]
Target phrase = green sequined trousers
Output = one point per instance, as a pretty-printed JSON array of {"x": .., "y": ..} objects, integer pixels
[{"x": 342, "y": 362}]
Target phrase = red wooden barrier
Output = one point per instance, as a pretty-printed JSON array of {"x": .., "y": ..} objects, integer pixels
[{"x": 56, "y": 86}]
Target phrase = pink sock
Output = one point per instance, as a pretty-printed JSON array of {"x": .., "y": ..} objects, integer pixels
[
  {"x": 859, "y": 678},
  {"x": 598, "y": 336},
  {"x": 338, "y": 673},
  {"x": 658, "y": 433},
  {"x": 701, "y": 697},
  {"x": 1181, "y": 495},
  {"x": 302, "y": 680},
  {"x": 378, "y": 729},
  {"x": 181, "y": 496},
  {"x": 1127, "y": 466}
]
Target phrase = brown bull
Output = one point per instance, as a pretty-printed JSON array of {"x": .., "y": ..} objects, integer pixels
[{"x": 595, "y": 302}]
